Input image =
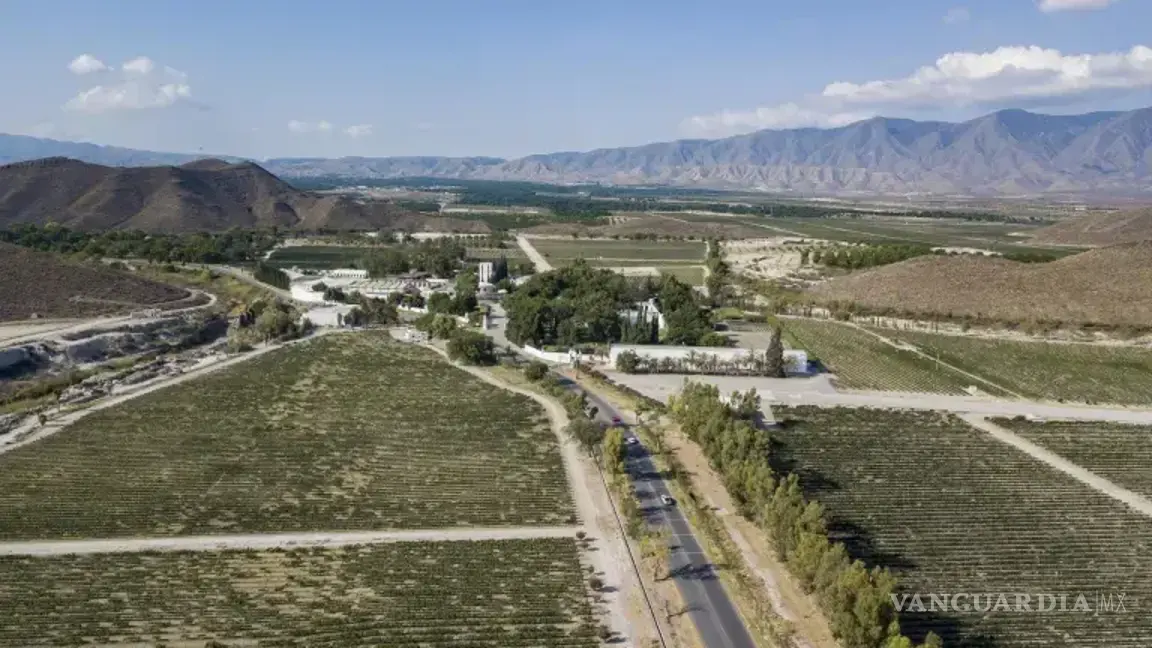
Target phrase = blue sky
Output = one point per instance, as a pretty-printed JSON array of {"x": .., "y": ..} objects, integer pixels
[{"x": 512, "y": 77}]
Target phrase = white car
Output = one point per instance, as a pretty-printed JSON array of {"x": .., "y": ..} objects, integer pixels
[
  {"x": 631, "y": 441},
  {"x": 667, "y": 501}
]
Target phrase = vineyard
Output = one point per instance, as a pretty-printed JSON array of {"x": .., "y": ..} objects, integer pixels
[
  {"x": 862, "y": 361},
  {"x": 950, "y": 510},
  {"x": 322, "y": 257},
  {"x": 558, "y": 250},
  {"x": 1117, "y": 452},
  {"x": 1046, "y": 370},
  {"x": 344, "y": 432},
  {"x": 502, "y": 594}
]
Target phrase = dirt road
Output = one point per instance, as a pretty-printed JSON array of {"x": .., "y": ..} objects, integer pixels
[
  {"x": 537, "y": 259},
  {"x": 1135, "y": 501},
  {"x": 276, "y": 540}
]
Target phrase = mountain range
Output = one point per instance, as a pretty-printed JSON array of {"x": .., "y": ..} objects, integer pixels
[
  {"x": 1010, "y": 152},
  {"x": 202, "y": 195}
]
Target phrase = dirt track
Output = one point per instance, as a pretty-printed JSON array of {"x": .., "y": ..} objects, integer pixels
[{"x": 275, "y": 540}]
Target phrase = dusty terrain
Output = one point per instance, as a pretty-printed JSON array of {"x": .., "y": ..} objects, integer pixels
[
  {"x": 47, "y": 285},
  {"x": 1101, "y": 229},
  {"x": 1111, "y": 286}
]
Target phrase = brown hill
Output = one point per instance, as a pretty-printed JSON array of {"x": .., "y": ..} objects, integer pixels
[
  {"x": 1099, "y": 229},
  {"x": 1110, "y": 286},
  {"x": 46, "y": 285},
  {"x": 206, "y": 195}
]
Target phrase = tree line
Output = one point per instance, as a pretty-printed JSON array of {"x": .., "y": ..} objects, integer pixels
[
  {"x": 233, "y": 246},
  {"x": 272, "y": 276},
  {"x": 855, "y": 599}
]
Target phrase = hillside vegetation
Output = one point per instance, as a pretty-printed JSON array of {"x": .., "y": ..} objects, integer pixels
[
  {"x": 206, "y": 195},
  {"x": 1099, "y": 229},
  {"x": 46, "y": 285},
  {"x": 1108, "y": 287}
]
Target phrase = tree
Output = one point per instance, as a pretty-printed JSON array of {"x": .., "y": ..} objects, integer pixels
[
  {"x": 390, "y": 261},
  {"x": 273, "y": 323},
  {"x": 774, "y": 356},
  {"x": 588, "y": 434},
  {"x": 614, "y": 450},
  {"x": 500, "y": 269},
  {"x": 472, "y": 348},
  {"x": 535, "y": 371},
  {"x": 627, "y": 361}
]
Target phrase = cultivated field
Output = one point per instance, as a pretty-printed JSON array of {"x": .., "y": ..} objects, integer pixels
[
  {"x": 558, "y": 251},
  {"x": 861, "y": 361},
  {"x": 344, "y": 432},
  {"x": 41, "y": 284},
  {"x": 503, "y": 594},
  {"x": 951, "y": 510},
  {"x": 321, "y": 257},
  {"x": 512, "y": 253},
  {"x": 1045, "y": 370},
  {"x": 1119, "y": 453}
]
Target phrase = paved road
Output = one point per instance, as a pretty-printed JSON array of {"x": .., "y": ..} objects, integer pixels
[{"x": 713, "y": 613}]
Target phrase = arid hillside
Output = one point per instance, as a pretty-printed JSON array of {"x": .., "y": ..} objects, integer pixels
[
  {"x": 45, "y": 285},
  {"x": 1110, "y": 286},
  {"x": 206, "y": 195},
  {"x": 1099, "y": 229}
]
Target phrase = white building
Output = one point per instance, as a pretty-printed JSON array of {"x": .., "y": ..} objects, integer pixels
[
  {"x": 485, "y": 270},
  {"x": 796, "y": 360},
  {"x": 346, "y": 273},
  {"x": 647, "y": 310},
  {"x": 327, "y": 315}
]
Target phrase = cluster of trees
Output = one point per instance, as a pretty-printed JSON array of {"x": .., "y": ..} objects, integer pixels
[
  {"x": 857, "y": 257},
  {"x": 463, "y": 302},
  {"x": 580, "y": 304},
  {"x": 855, "y": 599},
  {"x": 272, "y": 276},
  {"x": 233, "y": 246},
  {"x": 440, "y": 257},
  {"x": 471, "y": 347},
  {"x": 770, "y": 363},
  {"x": 265, "y": 322}
]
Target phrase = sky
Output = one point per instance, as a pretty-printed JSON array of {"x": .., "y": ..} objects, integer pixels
[{"x": 506, "y": 78}]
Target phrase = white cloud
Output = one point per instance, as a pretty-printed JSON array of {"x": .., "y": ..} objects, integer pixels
[
  {"x": 1003, "y": 76},
  {"x": 139, "y": 65},
  {"x": 1073, "y": 5},
  {"x": 359, "y": 130},
  {"x": 789, "y": 115},
  {"x": 138, "y": 85},
  {"x": 957, "y": 15},
  {"x": 86, "y": 64},
  {"x": 321, "y": 126}
]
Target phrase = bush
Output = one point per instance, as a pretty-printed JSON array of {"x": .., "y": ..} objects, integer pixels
[
  {"x": 535, "y": 370},
  {"x": 471, "y": 347}
]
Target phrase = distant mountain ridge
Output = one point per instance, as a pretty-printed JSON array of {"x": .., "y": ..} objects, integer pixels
[
  {"x": 201, "y": 195},
  {"x": 1010, "y": 152}
]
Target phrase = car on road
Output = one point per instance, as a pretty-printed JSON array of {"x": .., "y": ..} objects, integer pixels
[
  {"x": 667, "y": 500},
  {"x": 631, "y": 441},
  {"x": 616, "y": 420}
]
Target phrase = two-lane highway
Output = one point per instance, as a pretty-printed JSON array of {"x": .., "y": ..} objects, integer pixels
[{"x": 713, "y": 613}]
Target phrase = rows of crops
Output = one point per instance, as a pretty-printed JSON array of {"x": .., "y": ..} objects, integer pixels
[
  {"x": 591, "y": 249},
  {"x": 503, "y": 594},
  {"x": 1118, "y": 452},
  {"x": 862, "y": 361},
  {"x": 1045, "y": 370},
  {"x": 320, "y": 256},
  {"x": 512, "y": 253},
  {"x": 351, "y": 431},
  {"x": 950, "y": 510}
]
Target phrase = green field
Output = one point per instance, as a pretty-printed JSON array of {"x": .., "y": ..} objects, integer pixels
[
  {"x": 556, "y": 250},
  {"x": 348, "y": 431},
  {"x": 512, "y": 253},
  {"x": 692, "y": 275},
  {"x": 950, "y": 510},
  {"x": 321, "y": 257},
  {"x": 861, "y": 361},
  {"x": 1045, "y": 370},
  {"x": 1117, "y": 452},
  {"x": 502, "y": 594}
]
